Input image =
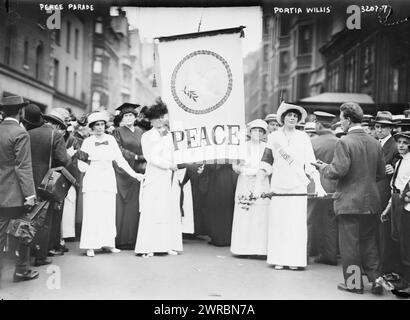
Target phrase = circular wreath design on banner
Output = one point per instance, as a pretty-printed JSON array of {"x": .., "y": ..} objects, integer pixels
[{"x": 201, "y": 82}]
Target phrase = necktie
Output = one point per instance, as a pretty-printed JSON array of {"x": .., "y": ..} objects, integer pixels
[
  {"x": 101, "y": 143},
  {"x": 395, "y": 173}
]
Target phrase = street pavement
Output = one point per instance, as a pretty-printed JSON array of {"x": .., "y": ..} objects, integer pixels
[{"x": 201, "y": 272}]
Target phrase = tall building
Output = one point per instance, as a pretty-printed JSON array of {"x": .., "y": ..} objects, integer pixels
[
  {"x": 315, "y": 54},
  {"x": 46, "y": 67}
]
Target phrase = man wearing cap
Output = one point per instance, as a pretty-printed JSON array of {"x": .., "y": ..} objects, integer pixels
[
  {"x": 17, "y": 189},
  {"x": 388, "y": 248},
  {"x": 357, "y": 165},
  {"x": 397, "y": 213},
  {"x": 323, "y": 215},
  {"x": 58, "y": 118},
  {"x": 271, "y": 120},
  {"x": 46, "y": 144}
]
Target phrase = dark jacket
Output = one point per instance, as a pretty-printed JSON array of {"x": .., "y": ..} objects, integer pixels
[
  {"x": 40, "y": 151},
  {"x": 324, "y": 146},
  {"x": 390, "y": 154},
  {"x": 16, "y": 173},
  {"x": 357, "y": 165}
]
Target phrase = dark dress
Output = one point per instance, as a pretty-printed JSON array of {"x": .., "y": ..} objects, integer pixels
[
  {"x": 220, "y": 203},
  {"x": 128, "y": 189}
]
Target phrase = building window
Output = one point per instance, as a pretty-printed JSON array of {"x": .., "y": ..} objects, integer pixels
[
  {"x": 303, "y": 85},
  {"x": 67, "y": 78},
  {"x": 56, "y": 73},
  {"x": 76, "y": 39},
  {"x": 265, "y": 83},
  {"x": 25, "y": 59},
  {"x": 99, "y": 25},
  {"x": 96, "y": 101},
  {"x": 266, "y": 53},
  {"x": 394, "y": 84},
  {"x": 125, "y": 97},
  {"x": 305, "y": 39},
  {"x": 284, "y": 61},
  {"x": 10, "y": 35},
  {"x": 350, "y": 71},
  {"x": 368, "y": 63},
  {"x": 333, "y": 76},
  {"x": 284, "y": 25},
  {"x": 57, "y": 36},
  {"x": 68, "y": 35},
  {"x": 294, "y": 42},
  {"x": 75, "y": 85},
  {"x": 39, "y": 60},
  {"x": 97, "y": 67}
]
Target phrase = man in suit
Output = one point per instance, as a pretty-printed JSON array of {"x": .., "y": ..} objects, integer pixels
[
  {"x": 16, "y": 180},
  {"x": 325, "y": 220},
  {"x": 46, "y": 144},
  {"x": 389, "y": 249},
  {"x": 58, "y": 119},
  {"x": 357, "y": 165}
]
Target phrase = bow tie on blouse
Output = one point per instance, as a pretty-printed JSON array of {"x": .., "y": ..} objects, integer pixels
[{"x": 101, "y": 143}]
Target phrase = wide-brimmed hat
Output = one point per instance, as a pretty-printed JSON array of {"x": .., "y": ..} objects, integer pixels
[
  {"x": 284, "y": 107},
  {"x": 310, "y": 127},
  {"x": 384, "y": 117},
  {"x": 97, "y": 116},
  {"x": 271, "y": 117},
  {"x": 404, "y": 124},
  {"x": 33, "y": 116},
  {"x": 58, "y": 116},
  {"x": 258, "y": 123},
  {"x": 403, "y": 134},
  {"x": 13, "y": 101}
]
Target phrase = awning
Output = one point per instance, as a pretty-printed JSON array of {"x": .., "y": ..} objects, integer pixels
[{"x": 340, "y": 97}]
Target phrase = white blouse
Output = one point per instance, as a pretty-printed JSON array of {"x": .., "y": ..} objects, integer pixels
[{"x": 100, "y": 175}]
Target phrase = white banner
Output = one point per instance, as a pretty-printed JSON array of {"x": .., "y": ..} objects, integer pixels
[{"x": 202, "y": 85}]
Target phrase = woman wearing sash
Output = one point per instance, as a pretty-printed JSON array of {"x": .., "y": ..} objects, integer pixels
[{"x": 291, "y": 153}]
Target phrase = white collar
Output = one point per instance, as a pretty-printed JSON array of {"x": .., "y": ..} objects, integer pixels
[
  {"x": 406, "y": 156},
  {"x": 385, "y": 139},
  {"x": 355, "y": 127},
  {"x": 12, "y": 119}
]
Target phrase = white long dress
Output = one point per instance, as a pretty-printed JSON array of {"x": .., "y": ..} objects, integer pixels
[
  {"x": 160, "y": 220},
  {"x": 100, "y": 189},
  {"x": 287, "y": 234},
  {"x": 250, "y": 227},
  {"x": 68, "y": 219}
]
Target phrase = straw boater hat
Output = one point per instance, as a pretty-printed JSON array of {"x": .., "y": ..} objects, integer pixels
[
  {"x": 97, "y": 116},
  {"x": 404, "y": 124},
  {"x": 403, "y": 134},
  {"x": 258, "y": 123},
  {"x": 271, "y": 117},
  {"x": 287, "y": 106},
  {"x": 59, "y": 116},
  {"x": 310, "y": 127},
  {"x": 384, "y": 117},
  {"x": 13, "y": 101}
]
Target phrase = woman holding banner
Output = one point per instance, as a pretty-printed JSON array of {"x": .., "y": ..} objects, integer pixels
[
  {"x": 250, "y": 225},
  {"x": 293, "y": 154},
  {"x": 160, "y": 221}
]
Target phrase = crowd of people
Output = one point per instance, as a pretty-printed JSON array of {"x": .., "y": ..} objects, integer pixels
[{"x": 337, "y": 188}]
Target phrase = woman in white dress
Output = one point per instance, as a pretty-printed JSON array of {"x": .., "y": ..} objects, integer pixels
[
  {"x": 160, "y": 228},
  {"x": 291, "y": 152},
  {"x": 250, "y": 227},
  {"x": 99, "y": 187}
]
